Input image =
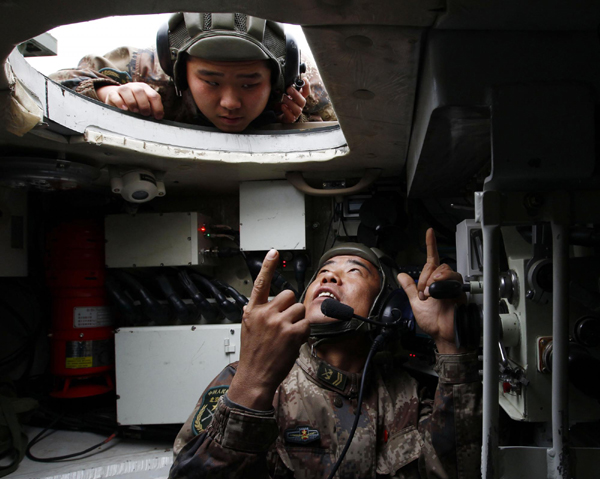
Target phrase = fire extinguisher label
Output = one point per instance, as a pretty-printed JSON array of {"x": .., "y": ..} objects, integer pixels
[
  {"x": 92, "y": 317},
  {"x": 89, "y": 354}
]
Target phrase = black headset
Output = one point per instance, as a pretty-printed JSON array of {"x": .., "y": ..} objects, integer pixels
[{"x": 163, "y": 49}]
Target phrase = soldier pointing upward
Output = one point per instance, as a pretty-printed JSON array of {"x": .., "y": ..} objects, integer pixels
[{"x": 290, "y": 402}]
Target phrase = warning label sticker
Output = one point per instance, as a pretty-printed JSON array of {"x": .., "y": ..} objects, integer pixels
[
  {"x": 77, "y": 363},
  {"x": 92, "y": 317},
  {"x": 89, "y": 354}
]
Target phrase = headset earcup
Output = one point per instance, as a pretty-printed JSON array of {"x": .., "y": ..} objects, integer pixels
[
  {"x": 397, "y": 306},
  {"x": 292, "y": 60},
  {"x": 163, "y": 49}
]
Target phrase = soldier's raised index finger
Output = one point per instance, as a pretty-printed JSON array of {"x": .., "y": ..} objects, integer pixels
[
  {"x": 262, "y": 284},
  {"x": 433, "y": 256}
]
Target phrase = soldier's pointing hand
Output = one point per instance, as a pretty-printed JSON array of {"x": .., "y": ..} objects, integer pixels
[
  {"x": 272, "y": 333},
  {"x": 435, "y": 317}
]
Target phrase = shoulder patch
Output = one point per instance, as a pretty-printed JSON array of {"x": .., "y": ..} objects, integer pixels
[
  {"x": 116, "y": 75},
  {"x": 205, "y": 414},
  {"x": 332, "y": 376},
  {"x": 302, "y": 435}
]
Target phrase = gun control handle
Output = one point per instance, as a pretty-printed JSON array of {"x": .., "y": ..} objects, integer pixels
[{"x": 448, "y": 289}]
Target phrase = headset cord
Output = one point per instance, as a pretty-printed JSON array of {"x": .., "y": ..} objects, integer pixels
[
  {"x": 39, "y": 437},
  {"x": 377, "y": 343}
]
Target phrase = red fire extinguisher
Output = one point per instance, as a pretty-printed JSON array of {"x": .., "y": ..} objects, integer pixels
[{"x": 82, "y": 336}]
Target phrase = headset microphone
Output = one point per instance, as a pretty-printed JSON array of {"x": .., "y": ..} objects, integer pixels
[{"x": 336, "y": 310}]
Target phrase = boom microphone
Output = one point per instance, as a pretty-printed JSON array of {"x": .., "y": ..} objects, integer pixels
[{"x": 336, "y": 310}]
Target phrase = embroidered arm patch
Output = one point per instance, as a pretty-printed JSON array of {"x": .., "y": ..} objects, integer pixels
[
  {"x": 116, "y": 75},
  {"x": 207, "y": 409}
]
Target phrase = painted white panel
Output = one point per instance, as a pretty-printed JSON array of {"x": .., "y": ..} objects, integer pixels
[
  {"x": 162, "y": 371},
  {"x": 272, "y": 215}
]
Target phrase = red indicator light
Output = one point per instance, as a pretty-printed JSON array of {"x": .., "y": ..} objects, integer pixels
[{"x": 202, "y": 228}]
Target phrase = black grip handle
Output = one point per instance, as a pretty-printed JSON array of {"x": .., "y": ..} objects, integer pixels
[{"x": 448, "y": 289}]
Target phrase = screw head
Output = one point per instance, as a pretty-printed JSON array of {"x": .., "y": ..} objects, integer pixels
[{"x": 534, "y": 200}]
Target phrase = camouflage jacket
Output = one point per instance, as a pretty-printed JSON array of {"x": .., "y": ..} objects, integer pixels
[
  {"x": 127, "y": 64},
  {"x": 399, "y": 434}
]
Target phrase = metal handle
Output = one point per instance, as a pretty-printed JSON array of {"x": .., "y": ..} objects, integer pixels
[{"x": 296, "y": 179}]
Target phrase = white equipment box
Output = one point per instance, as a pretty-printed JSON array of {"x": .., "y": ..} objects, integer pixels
[
  {"x": 162, "y": 371},
  {"x": 272, "y": 215},
  {"x": 155, "y": 239}
]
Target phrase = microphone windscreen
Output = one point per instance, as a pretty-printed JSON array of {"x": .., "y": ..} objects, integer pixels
[{"x": 336, "y": 310}]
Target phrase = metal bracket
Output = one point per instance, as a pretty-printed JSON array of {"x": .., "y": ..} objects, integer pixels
[{"x": 229, "y": 348}]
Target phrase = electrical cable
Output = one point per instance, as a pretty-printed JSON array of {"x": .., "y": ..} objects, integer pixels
[
  {"x": 344, "y": 226},
  {"x": 37, "y": 439},
  {"x": 376, "y": 344},
  {"x": 22, "y": 323},
  {"x": 151, "y": 308},
  {"x": 328, "y": 230},
  {"x": 218, "y": 235},
  {"x": 446, "y": 212},
  {"x": 15, "y": 354},
  {"x": 389, "y": 319},
  {"x": 180, "y": 309},
  {"x": 335, "y": 237},
  {"x": 239, "y": 298},
  {"x": 71, "y": 423},
  {"x": 206, "y": 309},
  {"x": 29, "y": 335},
  {"x": 230, "y": 310},
  {"x": 337, "y": 213}
]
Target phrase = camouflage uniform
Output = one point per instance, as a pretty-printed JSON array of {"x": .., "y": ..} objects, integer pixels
[
  {"x": 399, "y": 434},
  {"x": 127, "y": 64}
]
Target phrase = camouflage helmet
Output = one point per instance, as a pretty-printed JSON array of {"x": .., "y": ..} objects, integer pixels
[
  {"x": 220, "y": 37},
  {"x": 388, "y": 283}
]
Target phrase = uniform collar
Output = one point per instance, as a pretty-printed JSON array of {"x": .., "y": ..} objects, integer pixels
[{"x": 342, "y": 382}]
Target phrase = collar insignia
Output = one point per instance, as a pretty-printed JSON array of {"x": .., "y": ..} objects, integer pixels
[{"x": 332, "y": 376}]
